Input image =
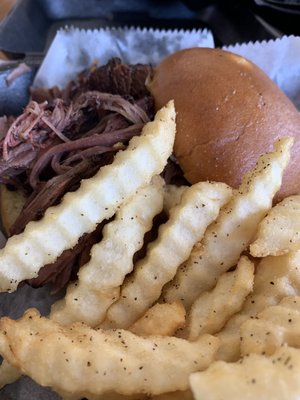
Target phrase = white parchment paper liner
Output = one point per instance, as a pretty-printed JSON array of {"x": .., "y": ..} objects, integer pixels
[{"x": 74, "y": 50}]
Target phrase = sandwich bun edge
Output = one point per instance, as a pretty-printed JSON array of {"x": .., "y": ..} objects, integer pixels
[{"x": 228, "y": 113}]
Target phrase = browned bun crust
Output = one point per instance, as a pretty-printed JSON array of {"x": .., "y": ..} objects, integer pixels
[{"x": 228, "y": 113}]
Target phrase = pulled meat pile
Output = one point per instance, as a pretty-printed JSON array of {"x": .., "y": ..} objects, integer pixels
[{"x": 66, "y": 135}]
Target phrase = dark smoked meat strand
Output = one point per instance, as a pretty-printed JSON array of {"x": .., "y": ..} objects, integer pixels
[
  {"x": 39, "y": 125},
  {"x": 115, "y": 103},
  {"x": 119, "y": 78},
  {"x": 67, "y": 265}
]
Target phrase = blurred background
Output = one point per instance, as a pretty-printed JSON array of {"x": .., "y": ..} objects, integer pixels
[{"x": 29, "y": 25}]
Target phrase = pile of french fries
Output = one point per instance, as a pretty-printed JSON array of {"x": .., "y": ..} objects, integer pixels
[{"x": 211, "y": 311}]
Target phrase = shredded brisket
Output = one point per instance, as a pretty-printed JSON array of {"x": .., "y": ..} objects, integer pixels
[{"x": 66, "y": 135}]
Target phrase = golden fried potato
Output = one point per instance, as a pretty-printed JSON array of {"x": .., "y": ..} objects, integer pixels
[
  {"x": 106, "y": 396},
  {"x": 161, "y": 320},
  {"x": 182, "y": 395},
  {"x": 99, "y": 280},
  {"x": 254, "y": 377},
  {"x": 275, "y": 278},
  {"x": 212, "y": 310},
  {"x": 8, "y": 374},
  {"x": 199, "y": 206},
  {"x": 279, "y": 232},
  {"x": 80, "y": 360},
  {"x": 272, "y": 328},
  {"x": 172, "y": 196},
  {"x": 96, "y": 199},
  {"x": 230, "y": 235}
]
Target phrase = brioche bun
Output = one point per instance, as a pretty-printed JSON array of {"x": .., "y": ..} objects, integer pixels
[{"x": 228, "y": 113}]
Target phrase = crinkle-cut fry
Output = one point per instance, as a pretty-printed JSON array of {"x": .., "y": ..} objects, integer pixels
[
  {"x": 199, "y": 206},
  {"x": 99, "y": 280},
  {"x": 213, "y": 309},
  {"x": 179, "y": 395},
  {"x": 106, "y": 396},
  {"x": 275, "y": 278},
  {"x": 80, "y": 360},
  {"x": 161, "y": 320},
  {"x": 279, "y": 232},
  {"x": 230, "y": 235},
  {"x": 96, "y": 199},
  {"x": 272, "y": 328},
  {"x": 252, "y": 378},
  {"x": 291, "y": 302},
  {"x": 172, "y": 196},
  {"x": 8, "y": 374}
]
